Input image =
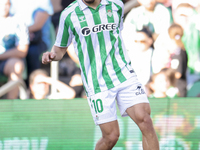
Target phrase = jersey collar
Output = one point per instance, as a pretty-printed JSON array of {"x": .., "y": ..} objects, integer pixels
[{"x": 83, "y": 5}]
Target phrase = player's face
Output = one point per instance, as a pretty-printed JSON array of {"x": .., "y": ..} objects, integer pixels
[
  {"x": 4, "y": 8},
  {"x": 89, "y": 1}
]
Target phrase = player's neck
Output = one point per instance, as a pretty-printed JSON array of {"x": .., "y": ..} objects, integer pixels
[{"x": 93, "y": 4}]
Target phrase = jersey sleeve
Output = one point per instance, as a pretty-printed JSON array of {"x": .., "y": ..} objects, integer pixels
[{"x": 64, "y": 35}]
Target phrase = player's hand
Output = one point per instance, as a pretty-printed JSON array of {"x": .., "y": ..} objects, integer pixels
[{"x": 48, "y": 57}]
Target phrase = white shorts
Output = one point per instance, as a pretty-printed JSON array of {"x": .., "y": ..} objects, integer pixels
[{"x": 127, "y": 94}]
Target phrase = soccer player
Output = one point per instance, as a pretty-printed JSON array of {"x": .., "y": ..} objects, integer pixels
[{"x": 94, "y": 27}]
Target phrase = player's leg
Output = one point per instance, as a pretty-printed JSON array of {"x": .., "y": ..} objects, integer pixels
[
  {"x": 110, "y": 136},
  {"x": 140, "y": 113},
  {"x": 104, "y": 112},
  {"x": 133, "y": 101},
  {"x": 13, "y": 69}
]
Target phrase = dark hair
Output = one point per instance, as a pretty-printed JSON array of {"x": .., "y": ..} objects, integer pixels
[
  {"x": 175, "y": 33},
  {"x": 147, "y": 31}
]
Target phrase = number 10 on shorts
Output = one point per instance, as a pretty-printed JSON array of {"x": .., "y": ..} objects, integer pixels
[{"x": 98, "y": 105}]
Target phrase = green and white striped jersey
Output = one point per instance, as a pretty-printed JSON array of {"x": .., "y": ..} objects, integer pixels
[{"x": 97, "y": 40}]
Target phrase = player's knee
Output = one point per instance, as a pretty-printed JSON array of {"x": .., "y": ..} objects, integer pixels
[
  {"x": 112, "y": 139},
  {"x": 145, "y": 123}
]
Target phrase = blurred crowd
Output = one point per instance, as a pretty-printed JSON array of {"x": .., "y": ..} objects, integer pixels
[
  {"x": 163, "y": 41},
  {"x": 162, "y": 38}
]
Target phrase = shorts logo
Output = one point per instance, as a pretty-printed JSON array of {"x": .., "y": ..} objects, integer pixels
[
  {"x": 98, "y": 28},
  {"x": 140, "y": 90}
]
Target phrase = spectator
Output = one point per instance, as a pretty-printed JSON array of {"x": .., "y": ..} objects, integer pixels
[
  {"x": 162, "y": 84},
  {"x": 13, "y": 46},
  {"x": 186, "y": 16},
  {"x": 39, "y": 86},
  {"x": 128, "y": 5},
  {"x": 170, "y": 53},
  {"x": 175, "y": 3},
  {"x": 156, "y": 16},
  {"x": 141, "y": 54},
  {"x": 178, "y": 57},
  {"x": 37, "y": 14},
  {"x": 161, "y": 55}
]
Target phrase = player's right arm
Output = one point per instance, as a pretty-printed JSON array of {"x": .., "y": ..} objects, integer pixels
[
  {"x": 56, "y": 54},
  {"x": 62, "y": 42}
]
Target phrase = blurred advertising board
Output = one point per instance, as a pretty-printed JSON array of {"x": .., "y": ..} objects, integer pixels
[{"x": 68, "y": 125}]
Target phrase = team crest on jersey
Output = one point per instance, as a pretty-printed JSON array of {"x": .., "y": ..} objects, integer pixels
[{"x": 109, "y": 13}]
